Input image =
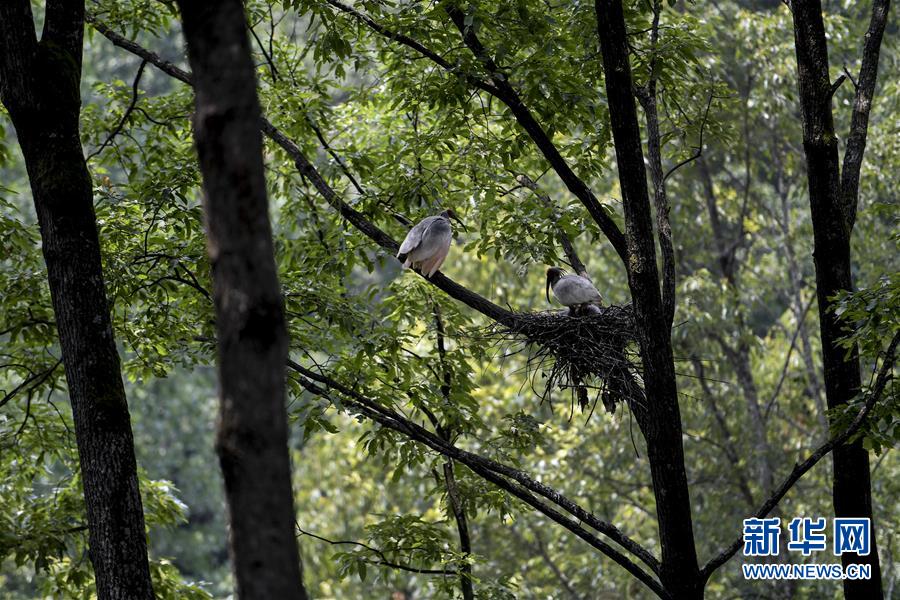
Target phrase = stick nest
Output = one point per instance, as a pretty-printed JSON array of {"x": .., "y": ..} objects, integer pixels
[{"x": 589, "y": 354}]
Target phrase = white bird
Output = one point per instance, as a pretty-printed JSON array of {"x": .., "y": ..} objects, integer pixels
[
  {"x": 573, "y": 291},
  {"x": 427, "y": 243}
]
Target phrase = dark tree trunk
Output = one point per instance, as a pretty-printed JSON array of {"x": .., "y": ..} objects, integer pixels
[
  {"x": 252, "y": 339},
  {"x": 660, "y": 419},
  {"x": 832, "y": 220},
  {"x": 40, "y": 89}
]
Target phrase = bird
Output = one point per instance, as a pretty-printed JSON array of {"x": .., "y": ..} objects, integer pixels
[
  {"x": 573, "y": 291},
  {"x": 427, "y": 243}
]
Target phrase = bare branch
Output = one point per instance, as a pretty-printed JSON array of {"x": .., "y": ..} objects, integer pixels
[{"x": 699, "y": 150}]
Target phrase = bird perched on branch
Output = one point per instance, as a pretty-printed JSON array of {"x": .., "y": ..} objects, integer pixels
[
  {"x": 427, "y": 243},
  {"x": 573, "y": 291}
]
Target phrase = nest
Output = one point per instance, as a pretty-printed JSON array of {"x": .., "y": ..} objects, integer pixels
[{"x": 588, "y": 354}]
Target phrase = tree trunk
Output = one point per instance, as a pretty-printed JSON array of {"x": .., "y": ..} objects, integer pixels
[
  {"x": 660, "y": 419},
  {"x": 40, "y": 89},
  {"x": 252, "y": 440},
  {"x": 831, "y": 238}
]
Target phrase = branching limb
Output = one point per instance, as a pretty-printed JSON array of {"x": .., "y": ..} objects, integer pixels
[
  {"x": 494, "y": 470},
  {"x": 648, "y": 99},
  {"x": 500, "y": 88},
  {"x": 453, "y": 497},
  {"x": 801, "y": 469},
  {"x": 862, "y": 104},
  {"x": 383, "y": 559},
  {"x": 509, "y": 96},
  {"x": 564, "y": 241},
  {"x": 131, "y": 106},
  {"x": 305, "y": 167},
  {"x": 32, "y": 382}
]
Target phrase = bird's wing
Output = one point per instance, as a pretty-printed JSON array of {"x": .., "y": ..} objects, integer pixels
[
  {"x": 414, "y": 237},
  {"x": 573, "y": 289},
  {"x": 436, "y": 238}
]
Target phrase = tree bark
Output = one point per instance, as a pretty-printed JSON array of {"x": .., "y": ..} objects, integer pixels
[
  {"x": 832, "y": 219},
  {"x": 40, "y": 89},
  {"x": 252, "y": 438},
  {"x": 660, "y": 419}
]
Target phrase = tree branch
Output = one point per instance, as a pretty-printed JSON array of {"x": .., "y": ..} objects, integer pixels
[
  {"x": 564, "y": 241},
  {"x": 801, "y": 469},
  {"x": 495, "y": 472},
  {"x": 18, "y": 44},
  {"x": 409, "y": 42},
  {"x": 384, "y": 561},
  {"x": 500, "y": 88},
  {"x": 862, "y": 104},
  {"x": 128, "y": 111},
  {"x": 509, "y": 96},
  {"x": 357, "y": 219},
  {"x": 648, "y": 99},
  {"x": 32, "y": 382}
]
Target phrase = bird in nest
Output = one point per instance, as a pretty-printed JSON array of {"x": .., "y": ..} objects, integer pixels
[
  {"x": 427, "y": 243},
  {"x": 573, "y": 291}
]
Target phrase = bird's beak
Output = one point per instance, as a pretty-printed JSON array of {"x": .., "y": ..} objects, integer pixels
[
  {"x": 547, "y": 290},
  {"x": 461, "y": 224}
]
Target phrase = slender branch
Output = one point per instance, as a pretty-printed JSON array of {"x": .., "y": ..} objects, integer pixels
[
  {"x": 341, "y": 164},
  {"x": 562, "y": 236},
  {"x": 801, "y": 469},
  {"x": 453, "y": 497},
  {"x": 728, "y": 447},
  {"x": 648, "y": 99},
  {"x": 384, "y": 561},
  {"x": 269, "y": 60},
  {"x": 128, "y": 111},
  {"x": 32, "y": 382},
  {"x": 787, "y": 358},
  {"x": 699, "y": 150},
  {"x": 409, "y": 42}
]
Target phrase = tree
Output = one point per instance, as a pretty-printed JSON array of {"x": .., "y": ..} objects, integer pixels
[
  {"x": 252, "y": 339},
  {"x": 833, "y": 198},
  {"x": 39, "y": 85}
]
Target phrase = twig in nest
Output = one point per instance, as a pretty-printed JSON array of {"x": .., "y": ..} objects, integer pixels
[{"x": 578, "y": 353}]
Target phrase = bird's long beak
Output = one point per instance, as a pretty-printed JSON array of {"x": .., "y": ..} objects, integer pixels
[
  {"x": 461, "y": 224},
  {"x": 547, "y": 290}
]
